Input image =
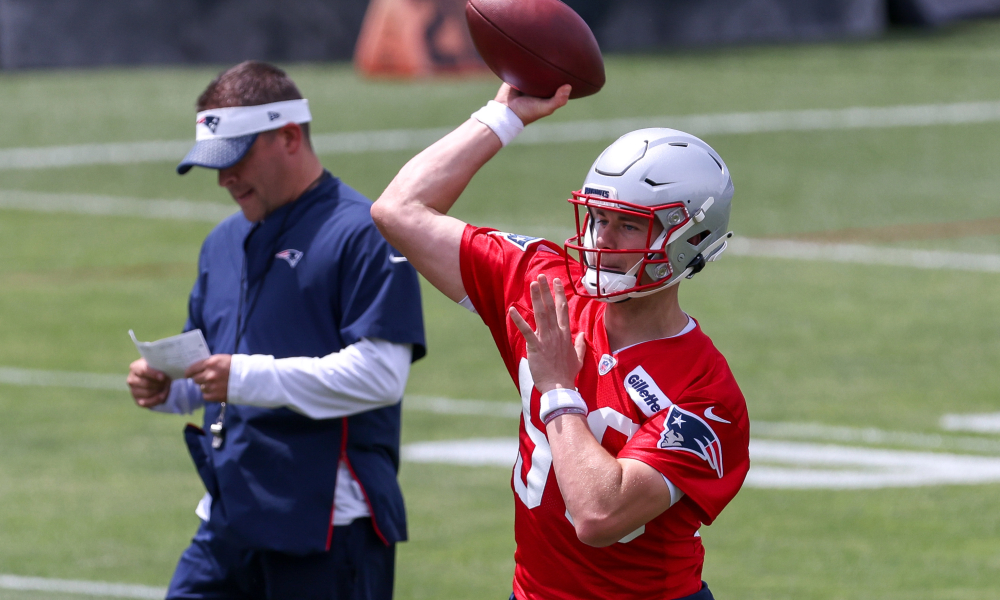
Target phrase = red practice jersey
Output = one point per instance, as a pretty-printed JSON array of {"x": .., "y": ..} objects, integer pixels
[{"x": 671, "y": 403}]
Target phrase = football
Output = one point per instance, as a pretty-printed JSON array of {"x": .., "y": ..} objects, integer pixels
[{"x": 536, "y": 45}]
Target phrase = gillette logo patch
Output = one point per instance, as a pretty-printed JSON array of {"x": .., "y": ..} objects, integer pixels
[{"x": 645, "y": 393}]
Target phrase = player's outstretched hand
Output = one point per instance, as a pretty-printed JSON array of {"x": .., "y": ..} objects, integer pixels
[
  {"x": 554, "y": 357},
  {"x": 148, "y": 386},
  {"x": 212, "y": 376},
  {"x": 529, "y": 108}
]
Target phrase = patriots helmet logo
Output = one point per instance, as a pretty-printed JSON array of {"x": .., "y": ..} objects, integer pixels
[
  {"x": 292, "y": 257},
  {"x": 210, "y": 121},
  {"x": 687, "y": 432}
]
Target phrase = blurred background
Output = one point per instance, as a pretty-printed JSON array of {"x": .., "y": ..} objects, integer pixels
[
  {"x": 857, "y": 305},
  {"x": 72, "y": 33}
]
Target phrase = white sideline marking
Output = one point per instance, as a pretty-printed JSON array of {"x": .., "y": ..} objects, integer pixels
[
  {"x": 89, "y": 204},
  {"x": 491, "y": 452},
  {"x": 813, "y": 466},
  {"x": 739, "y": 246},
  {"x": 450, "y": 406},
  {"x": 872, "y": 436},
  {"x": 979, "y": 423},
  {"x": 805, "y": 466},
  {"x": 85, "y": 588},
  {"x": 986, "y": 423},
  {"x": 70, "y": 379},
  {"x": 865, "y": 255},
  {"x": 859, "y": 117}
]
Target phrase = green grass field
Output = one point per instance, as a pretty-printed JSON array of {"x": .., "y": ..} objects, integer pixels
[{"x": 93, "y": 488}]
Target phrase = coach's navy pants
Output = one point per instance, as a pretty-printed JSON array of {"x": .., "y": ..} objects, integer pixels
[{"x": 357, "y": 567}]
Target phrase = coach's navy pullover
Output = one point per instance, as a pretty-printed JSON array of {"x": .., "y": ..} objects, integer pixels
[{"x": 315, "y": 277}]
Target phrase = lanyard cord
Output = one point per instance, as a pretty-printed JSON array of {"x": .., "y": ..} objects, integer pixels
[{"x": 241, "y": 322}]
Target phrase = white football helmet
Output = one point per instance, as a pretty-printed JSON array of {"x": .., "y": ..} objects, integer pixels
[{"x": 661, "y": 174}]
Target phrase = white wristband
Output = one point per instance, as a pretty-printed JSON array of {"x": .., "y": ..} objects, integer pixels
[
  {"x": 558, "y": 399},
  {"x": 501, "y": 119}
]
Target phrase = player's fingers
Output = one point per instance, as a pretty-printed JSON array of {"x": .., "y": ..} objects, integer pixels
[
  {"x": 548, "y": 308},
  {"x": 561, "y": 305},
  {"x": 561, "y": 97},
  {"x": 546, "y": 290},
  {"x": 538, "y": 306},
  {"x": 580, "y": 345},
  {"x": 522, "y": 326}
]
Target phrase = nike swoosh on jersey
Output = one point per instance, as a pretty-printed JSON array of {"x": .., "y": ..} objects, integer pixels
[
  {"x": 396, "y": 259},
  {"x": 710, "y": 415}
]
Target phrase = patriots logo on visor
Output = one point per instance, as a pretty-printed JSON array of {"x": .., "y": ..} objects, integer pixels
[
  {"x": 687, "y": 432},
  {"x": 291, "y": 256},
  {"x": 272, "y": 115},
  {"x": 212, "y": 122}
]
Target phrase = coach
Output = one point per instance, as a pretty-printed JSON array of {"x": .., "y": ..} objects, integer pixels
[{"x": 313, "y": 321}]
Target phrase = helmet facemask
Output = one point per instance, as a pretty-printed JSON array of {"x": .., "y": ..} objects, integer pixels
[{"x": 613, "y": 285}]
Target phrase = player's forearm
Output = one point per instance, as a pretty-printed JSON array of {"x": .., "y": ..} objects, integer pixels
[
  {"x": 412, "y": 212},
  {"x": 589, "y": 478},
  {"x": 366, "y": 375},
  {"x": 436, "y": 177},
  {"x": 606, "y": 498}
]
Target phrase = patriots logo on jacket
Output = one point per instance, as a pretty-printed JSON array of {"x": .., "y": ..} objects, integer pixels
[
  {"x": 291, "y": 256},
  {"x": 209, "y": 121},
  {"x": 687, "y": 432}
]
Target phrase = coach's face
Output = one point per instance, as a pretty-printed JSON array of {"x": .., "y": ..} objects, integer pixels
[{"x": 259, "y": 183}]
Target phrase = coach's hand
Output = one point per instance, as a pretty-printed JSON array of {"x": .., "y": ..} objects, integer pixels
[
  {"x": 529, "y": 108},
  {"x": 148, "y": 386},
  {"x": 212, "y": 376}
]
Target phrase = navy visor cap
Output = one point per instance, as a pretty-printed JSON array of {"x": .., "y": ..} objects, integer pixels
[{"x": 219, "y": 153}]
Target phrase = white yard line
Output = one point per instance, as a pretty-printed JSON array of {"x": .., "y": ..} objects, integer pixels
[
  {"x": 978, "y": 423},
  {"x": 450, "y": 406},
  {"x": 859, "y": 117},
  {"x": 776, "y": 464},
  {"x": 90, "y": 204},
  {"x": 83, "y": 588},
  {"x": 865, "y": 255},
  {"x": 68, "y": 379},
  {"x": 985, "y": 423}
]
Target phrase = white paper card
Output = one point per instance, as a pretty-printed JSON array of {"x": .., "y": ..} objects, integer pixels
[{"x": 174, "y": 354}]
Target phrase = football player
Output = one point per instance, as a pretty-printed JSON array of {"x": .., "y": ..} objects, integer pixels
[{"x": 634, "y": 432}]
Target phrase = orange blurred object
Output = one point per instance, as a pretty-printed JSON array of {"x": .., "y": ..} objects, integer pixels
[{"x": 415, "y": 38}]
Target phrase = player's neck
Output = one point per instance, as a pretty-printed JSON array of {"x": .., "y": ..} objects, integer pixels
[{"x": 643, "y": 319}]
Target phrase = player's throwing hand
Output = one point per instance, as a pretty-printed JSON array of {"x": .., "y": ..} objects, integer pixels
[
  {"x": 529, "y": 108},
  {"x": 554, "y": 357}
]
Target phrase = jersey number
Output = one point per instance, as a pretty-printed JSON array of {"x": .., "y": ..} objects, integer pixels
[{"x": 530, "y": 488}]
